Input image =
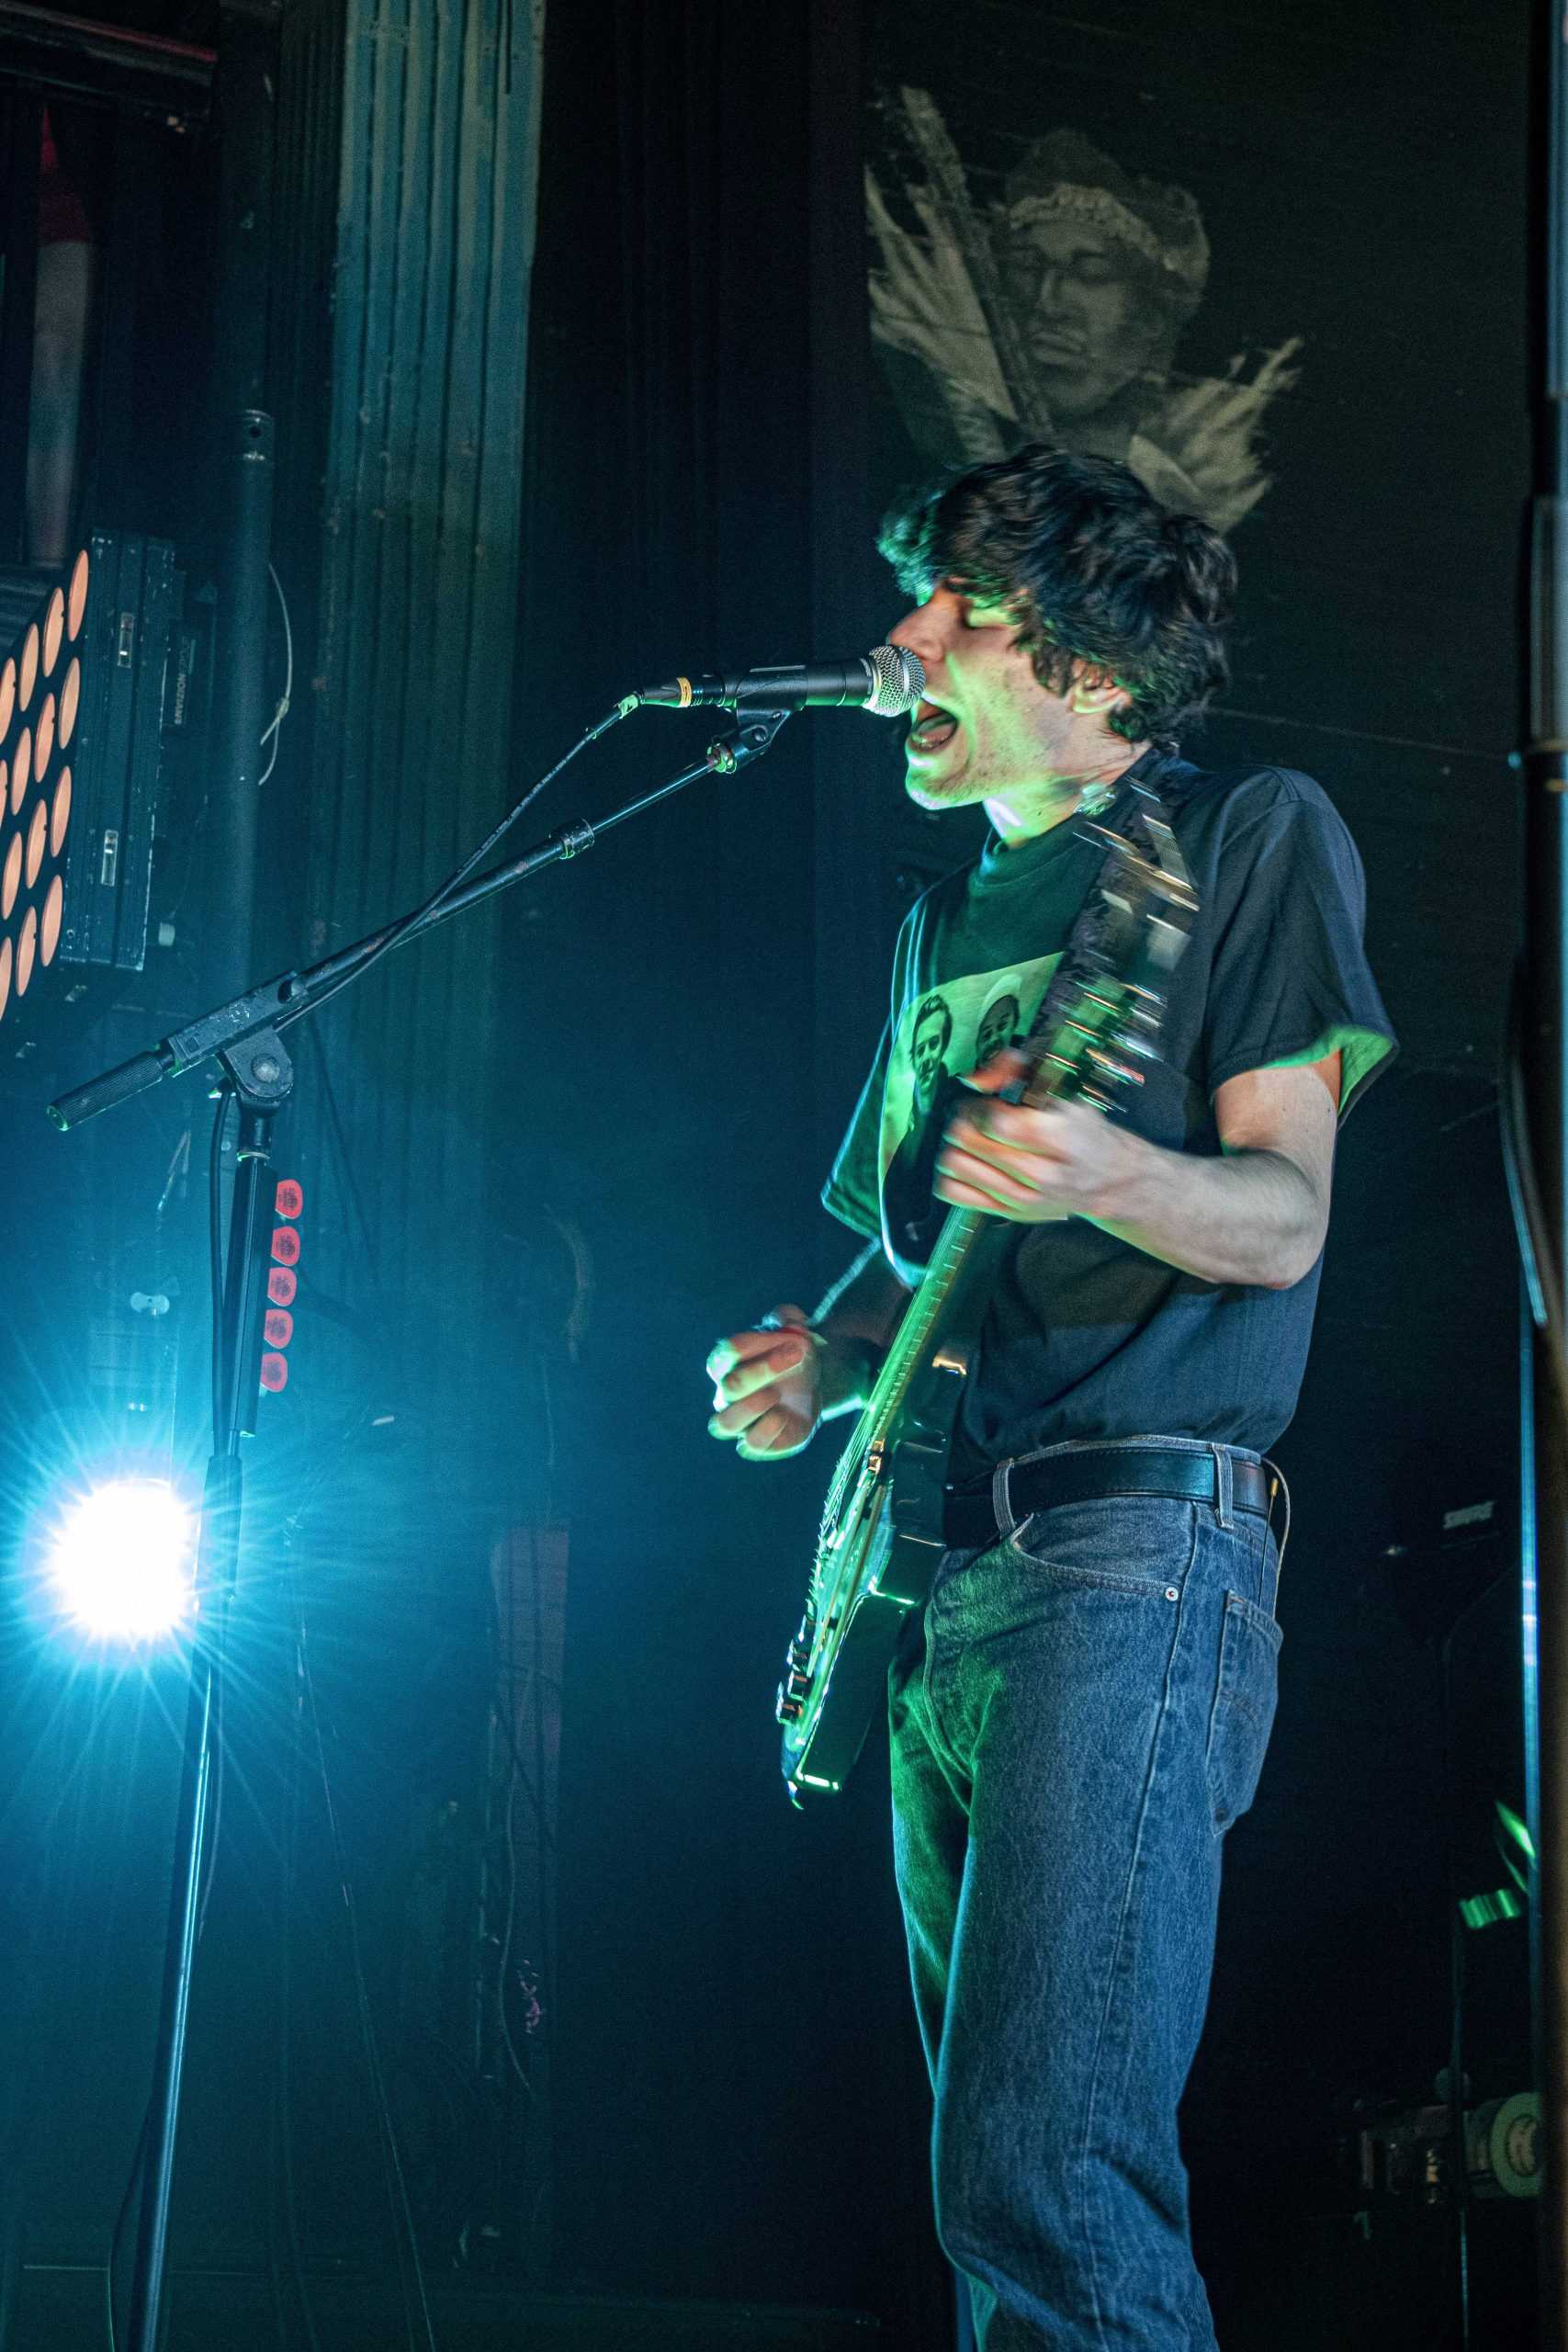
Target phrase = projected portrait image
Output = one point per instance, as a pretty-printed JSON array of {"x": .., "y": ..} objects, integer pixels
[{"x": 1056, "y": 315}]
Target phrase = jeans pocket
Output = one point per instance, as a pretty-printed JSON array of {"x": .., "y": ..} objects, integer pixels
[
  {"x": 1243, "y": 1712},
  {"x": 1137, "y": 1544}
]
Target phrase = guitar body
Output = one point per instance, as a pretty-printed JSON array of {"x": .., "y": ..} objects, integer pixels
[
  {"x": 877, "y": 1560},
  {"x": 881, "y": 1527}
]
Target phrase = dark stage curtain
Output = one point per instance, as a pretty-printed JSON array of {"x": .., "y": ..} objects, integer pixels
[{"x": 732, "y": 2038}]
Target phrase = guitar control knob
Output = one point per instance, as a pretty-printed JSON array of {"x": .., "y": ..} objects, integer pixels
[
  {"x": 800, "y": 1654},
  {"x": 797, "y": 1686},
  {"x": 787, "y": 1710}
]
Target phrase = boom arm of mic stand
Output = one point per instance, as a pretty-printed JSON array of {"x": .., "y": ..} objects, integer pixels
[{"x": 286, "y": 998}]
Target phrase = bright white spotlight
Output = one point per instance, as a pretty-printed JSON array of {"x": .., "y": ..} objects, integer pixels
[{"x": 122, "y": 1561}]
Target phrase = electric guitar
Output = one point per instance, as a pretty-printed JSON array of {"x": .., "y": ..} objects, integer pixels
[{"x": 882, "y": 1525}]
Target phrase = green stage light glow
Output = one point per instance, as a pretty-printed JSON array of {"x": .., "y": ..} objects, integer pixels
[{"x": 122, "y": 1561}]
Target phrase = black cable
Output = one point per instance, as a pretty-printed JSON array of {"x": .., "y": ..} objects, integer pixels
[
  {"x": 533, "y": 1791},
  {"x": 399, "y": 930},
  {"x": 209, "y": 1858},
  {"x": 397, "y": 2187},
  {"x": 289, "y": 1863},
  {"x": 133, "y": 2182},
  {"x": 216, "y": 1271},
  {"x": 1542, "y": 1275},
  {"x": 350, "y": 1179}
]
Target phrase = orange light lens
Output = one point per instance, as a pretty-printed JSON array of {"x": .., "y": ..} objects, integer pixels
[
  {"x": 76, "y": 596},
  {"x": 60, "y": 815},
  {"x": 54, "y": 630},
  {"x": 53, "y": 913},
  {"x": 26, "y": 949},
  {"x": 43, "y": 743}
]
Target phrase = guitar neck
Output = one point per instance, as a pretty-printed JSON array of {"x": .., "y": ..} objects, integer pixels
[{"x": 954, "y": 1245}]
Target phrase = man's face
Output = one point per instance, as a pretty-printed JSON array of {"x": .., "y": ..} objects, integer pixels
[
  {"x": 931, "y": 1036},
  {"x": 986, "y": 726},
  {"x": 997, "y": 1026},
  {"x": 1088, "y": 310}
]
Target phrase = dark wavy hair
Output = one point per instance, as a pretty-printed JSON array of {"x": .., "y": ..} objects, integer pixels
[{"x": 1099, "y": 575}]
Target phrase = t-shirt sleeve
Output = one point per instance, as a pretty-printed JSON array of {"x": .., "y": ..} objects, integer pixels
[
  {"x": 1289, "y": 981},
  {"x": 852, "y": 1190}
]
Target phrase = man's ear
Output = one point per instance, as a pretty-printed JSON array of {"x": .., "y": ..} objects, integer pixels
[{"x": 1095, "y": 694}]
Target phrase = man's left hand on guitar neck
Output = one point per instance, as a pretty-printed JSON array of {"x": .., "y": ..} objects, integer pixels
[{"x": 1256, "y": 1216}]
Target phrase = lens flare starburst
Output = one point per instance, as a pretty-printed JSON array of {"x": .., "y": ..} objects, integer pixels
[{"x": 122, "y": 1561}]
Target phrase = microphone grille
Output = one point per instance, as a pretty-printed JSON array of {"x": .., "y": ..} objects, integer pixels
[{"x": 899, "y": 680}]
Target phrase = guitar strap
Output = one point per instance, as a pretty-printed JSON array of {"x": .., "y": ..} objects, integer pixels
[{"x": 1128, "y": 814}]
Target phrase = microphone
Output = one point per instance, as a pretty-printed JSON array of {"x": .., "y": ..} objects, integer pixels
[{"x": 887, "y": 682}]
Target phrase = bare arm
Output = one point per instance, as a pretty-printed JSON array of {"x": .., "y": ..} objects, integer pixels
[
  {"x": 1257, "y": 1215},
  {"x": 775, "y": 1384},
  {"x": 857, "y": 1320}
]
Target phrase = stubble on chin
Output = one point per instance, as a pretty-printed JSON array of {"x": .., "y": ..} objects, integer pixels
[{"x": 955, "y": 789}]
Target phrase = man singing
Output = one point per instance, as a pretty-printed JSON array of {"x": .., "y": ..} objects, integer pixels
[{"x": 1081, "y": 1711}]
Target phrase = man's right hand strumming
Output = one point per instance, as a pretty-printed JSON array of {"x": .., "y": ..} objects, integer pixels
[
  {"x": 775, "y": 1384},
  {"x": 772, "y": 1385}
]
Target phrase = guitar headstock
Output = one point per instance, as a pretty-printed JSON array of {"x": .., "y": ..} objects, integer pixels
[{"x": 1112, "y": 1024}]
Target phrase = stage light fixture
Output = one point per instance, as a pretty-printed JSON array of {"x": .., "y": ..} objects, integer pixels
[
  {"x": 122, "y": 1561},
  {"x": 40, "y": 686},
  {"x": 91, "y": 666}
]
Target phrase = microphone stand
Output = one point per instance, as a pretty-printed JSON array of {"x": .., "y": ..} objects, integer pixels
[{"x": 243, "y": 1036}]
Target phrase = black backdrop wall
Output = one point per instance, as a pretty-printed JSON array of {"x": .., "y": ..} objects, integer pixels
[{"x": 730, "y": 1986}]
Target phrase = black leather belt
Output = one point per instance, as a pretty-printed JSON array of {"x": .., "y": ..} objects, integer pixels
[{"x": 1095, "y": 1473}]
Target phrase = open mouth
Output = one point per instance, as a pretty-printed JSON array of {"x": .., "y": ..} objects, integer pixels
[{"x": 931, "y": 727}]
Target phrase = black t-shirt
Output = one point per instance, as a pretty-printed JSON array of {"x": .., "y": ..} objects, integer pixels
[{"x": 1086, "y": 1336}]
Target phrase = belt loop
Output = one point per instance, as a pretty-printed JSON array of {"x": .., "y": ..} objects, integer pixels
[
  {"x": 1002, "y": 1501},
  {"x": 1224, "y": 1486},
  {"x": 1277, "y": 1487}
]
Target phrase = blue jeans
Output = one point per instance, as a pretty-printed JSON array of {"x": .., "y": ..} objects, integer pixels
[{"x": 1076, "y": 1720}]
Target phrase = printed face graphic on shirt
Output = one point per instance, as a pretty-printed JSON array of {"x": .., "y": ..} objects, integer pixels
[
  {"x": 939, "y": 1037},
  {"x": 998, "y": 1026},
  {"x": 933, "y": 1026}
]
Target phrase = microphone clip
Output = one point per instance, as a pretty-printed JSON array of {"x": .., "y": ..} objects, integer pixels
[{"x": 754, "y": 734}]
